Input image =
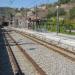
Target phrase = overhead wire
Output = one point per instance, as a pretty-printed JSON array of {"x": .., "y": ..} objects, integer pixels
[
  {"x": 11, "y": 1},
  {"x": 34, "y": 3}
]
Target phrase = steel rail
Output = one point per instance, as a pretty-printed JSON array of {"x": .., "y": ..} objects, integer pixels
[
  {"x": 18, "y": 70},
  {"x": 69, "y": 54},
  {"x": 36, "y": 66}
]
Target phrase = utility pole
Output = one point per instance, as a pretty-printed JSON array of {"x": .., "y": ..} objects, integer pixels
[
  {"x": 36, "y": 16},
  {"x": 26, "y": 19},
  {"x": 26, "y": 14},
  {"x": 36, "y": 11},
  {"x": 57, "y": 26}
]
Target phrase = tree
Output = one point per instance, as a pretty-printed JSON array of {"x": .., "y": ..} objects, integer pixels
[
  {"x": 72, "y": 13},
  {"x": 72, "y": 0},
  {"x": 61, "y": 11},
  {"x": 63, "y": 1},
  {"x": 53, "y": 12}
]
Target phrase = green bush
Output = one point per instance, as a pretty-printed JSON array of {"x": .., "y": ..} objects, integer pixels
[
  {"x": 72, "y": 13},
  {"x": 63, "y": 1}
]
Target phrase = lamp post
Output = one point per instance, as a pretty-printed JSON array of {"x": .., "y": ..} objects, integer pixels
[{"x": 57, "y": 25}]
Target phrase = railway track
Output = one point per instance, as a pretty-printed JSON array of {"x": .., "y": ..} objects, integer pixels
[
  {"x": 66, "y": 53},
  {"x": 15, "y": 66},
  {"x": 34, "y": 64}
]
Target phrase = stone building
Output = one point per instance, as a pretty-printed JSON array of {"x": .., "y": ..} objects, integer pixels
[{"x": 22, "y": 20}]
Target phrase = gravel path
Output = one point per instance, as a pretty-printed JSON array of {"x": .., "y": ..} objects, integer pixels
[{"x": 51, "y": 62}]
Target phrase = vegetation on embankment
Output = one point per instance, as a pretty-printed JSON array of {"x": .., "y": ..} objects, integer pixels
[{"x": 66, "y": 17}]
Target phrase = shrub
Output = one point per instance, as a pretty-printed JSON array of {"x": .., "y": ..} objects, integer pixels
[{"x": 72, "y": 13}]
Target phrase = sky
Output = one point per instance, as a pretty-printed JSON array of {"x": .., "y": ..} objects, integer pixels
[{"x": 23, "y": 3}]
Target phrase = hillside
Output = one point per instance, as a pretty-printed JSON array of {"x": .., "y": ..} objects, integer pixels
[
  {"x": 6, "y": 11},
  {"x": 68, "y": 6}
]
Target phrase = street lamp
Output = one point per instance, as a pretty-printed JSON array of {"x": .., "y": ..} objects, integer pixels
[{"x": 57, "y": 25}]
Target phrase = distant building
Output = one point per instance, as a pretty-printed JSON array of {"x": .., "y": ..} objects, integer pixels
[
  {"x": 41, "y": 13},
  {"x": 4, "y": 18},
  {"x": 19, "y": 21}
]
